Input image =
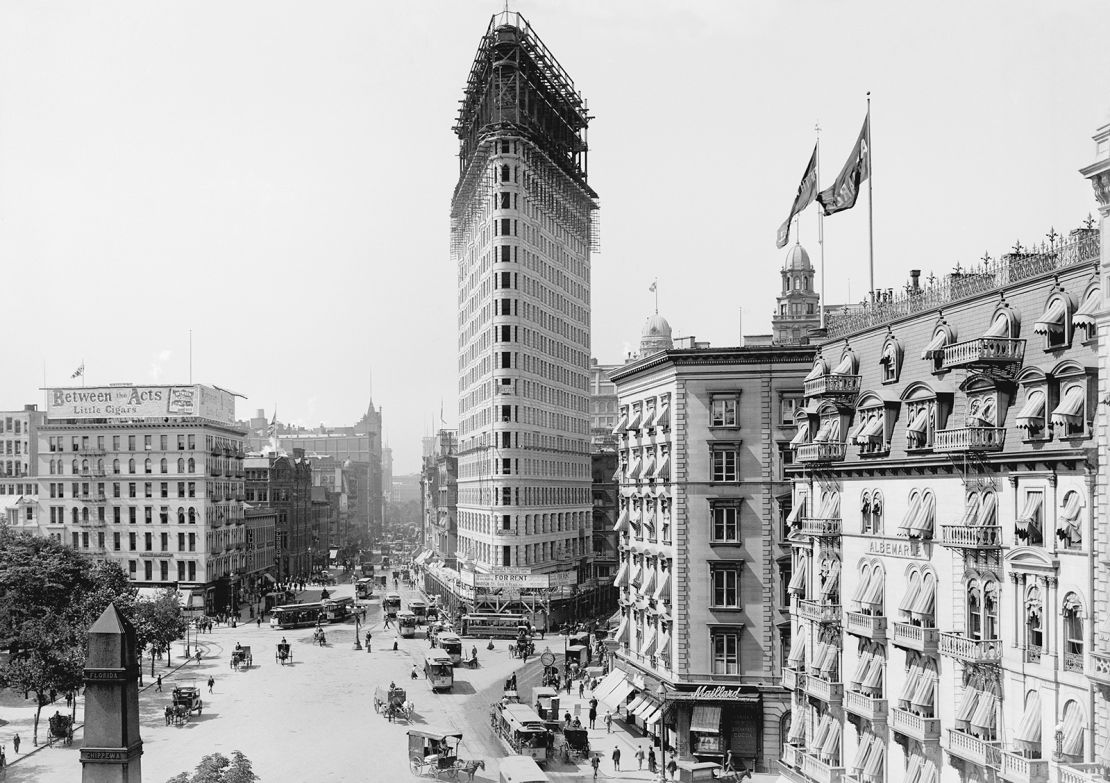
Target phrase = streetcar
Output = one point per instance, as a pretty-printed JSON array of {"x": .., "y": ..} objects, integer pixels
[
  {"x": 420, "y": 609},
  {"x": 297, "y": 615},
  {"x": 364, "y": 588},
  {"x": 392, "y": 604},
  {"x": 451, "y": 644},
  {"x": 500, "y": 626},
  {"x": 521, "y": 769},
  {"x": 338, "y": 609},
  {"x": 439, "y": 670},
  {"x": 406, "y": 622},
  {"x": 523, "y": 730}
]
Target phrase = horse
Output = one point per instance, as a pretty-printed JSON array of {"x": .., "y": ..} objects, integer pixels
[
  {"x": 410, "y": 709},
  {"x": 471, "y": 767},
  {"x": 734, "y": 776},
  {"x": 169, "y": 714}
]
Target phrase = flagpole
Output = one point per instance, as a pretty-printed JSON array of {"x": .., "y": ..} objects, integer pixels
[
  {"x": 820, "y": 226},
  {"x": 870, "y": 198},
  {"x": 82, "y": 373}
]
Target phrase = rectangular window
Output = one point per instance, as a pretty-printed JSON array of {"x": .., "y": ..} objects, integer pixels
[
  {"x": 789, "y": 407},
  {"x": 148, "y": 540},
  {"x": 726, "y": 652},
  {"x": 131, "y": 541},
  {"x": 726, "y": 586},
  {"x": 724, "y": 465},
  {"x": 148, "y": 489},
  {"x": 116, "y": 541},
  {"x": 180, "y": 571},
  {"x": 192, "y": 442},
  {"x": 148, "y": 515},
  {"x": 132, "y": 515},
  {"x": 192, "y": 489},
  {"x": 148, "y": 568},
  {"x": 192, "y": 542},
  {"x": 723, "y": 412},
  {"x": 726, "y": 523},
  {"x": 116, "y": 511},
  {"x": 163, "y": 442},
  {"x": 192, "y": 570}
]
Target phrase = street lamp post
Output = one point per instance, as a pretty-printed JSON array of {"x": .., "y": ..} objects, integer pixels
[
  {"x": 662, "y": 691},
  {"x": 358, "y": 645}
]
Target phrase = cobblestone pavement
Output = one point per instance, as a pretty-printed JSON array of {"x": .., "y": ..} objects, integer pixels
[{"x": 313, "y": 720}]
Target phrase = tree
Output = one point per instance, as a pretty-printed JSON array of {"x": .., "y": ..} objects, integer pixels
[
  {"x": 218, "y": 768},
  {"x": 49, "y": 596},
  {"x": 158, "y": 622}
]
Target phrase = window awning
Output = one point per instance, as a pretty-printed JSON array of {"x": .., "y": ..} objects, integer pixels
[
  {"x": 1052, "y": 320},
  {"x": 646, "y": 707},
  {"x": 1029, "y": 727},
  {"x": 616, "y": 697},
  {"x": 637, "y": 702},
  {"x": 823, "y": 729},
  {"x": 872, "y": 430},
  {"x": 912, "y": 592},
  {"x": 622, "y": 630},
  {"x": 1000, "y": 327},
  {"x": 1085, "y": 315},
  {"x": 861, "y": 585},
  {"x": 913, "y": 768},
  {"x": 968, "y": 704},
  {"x": 872, "y": 770},
  {"x": 622, "y": 521},
  {"x": 1073, "y": 506},
  {"x": 664, "y": 645},
  {"x": 988, "y": 510},
  {"x": 819, "y": 368},
  {"x": 826, "y": 658},
  {"x": 929, "y": 772},
  {"x": 648, "y": 470},
  {"x": 801, "y": 437},
  {"x": 890, "y": 354},
  {"x": 830, "y": 506},
  {"x": 663, "y": 589},
  {"x": 832, "y": 579},
  {"x": 652, "y": 716},
  {"x": 971, "y": 509},
  {"x": 662, "y": 417},
  {"x": 797, "y": 512},
  {"x": 863, "y": 750},
  {"x": 862, "y": 665},
  {"x": 873, "y": 674},
  {"x": 608, "y": 682},
  {"x": 634, "y": 471},
  {"x": 664, "y": 469},
  {"x": 635, "y": 419},
  {"x": 797, "y": 657},
  {"x": 936, "y": 345},
  {"x": 1070, "y": 409},
  {"x": 798, "y": 578},
  {"x": 985, "y": 712},
  {"x": 829, "y": 432},
  {"x": 706, "y": 718},
  {"x": 648, "y": 647},
  {"x": 831, "y": 744},
  {"x": 1031, "y": 415},
  {"x": 797, "y": 734},
  {"x": 622, "y": 425},
  {"x": 847, "y": 365},
  {"x": 924, "y": 692},
  {"x": 919, "y": 423},
  {"x": 919, "y": 519},
  {"x": 649, "y": 582},
  {"x": 856, "y": 429},
  {"x": 872, "y": 597},
  {"x": 634, "y": 574},
  {"x": 909, "y": 685},
  {"x": 622, "y": 574},
  {"x": 1029, "y": 511},
  {"x": 1073, "y": 730}
]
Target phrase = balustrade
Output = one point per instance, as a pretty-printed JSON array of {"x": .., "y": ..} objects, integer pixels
[
  {"x": 867, "y": 626},
  {"x": 956, "y": 645},
  {"x": 913, "y": 637},
  {"x": 971, "y": 537},
  {"x": 970, "y": 439},
  {"x": 917, "y": 727},
  {"x": 1017, "y": 768},
  {"x": 973, "y": 749}
]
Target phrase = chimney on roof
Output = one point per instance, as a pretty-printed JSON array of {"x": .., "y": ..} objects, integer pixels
[{"x": 915, "y": 279}]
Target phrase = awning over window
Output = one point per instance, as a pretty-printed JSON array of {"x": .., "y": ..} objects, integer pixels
[
  {"x": 929, "y": 772},
  {"x": 829, "y": 432},
  {"x": 649, "y": 582},
  {"x": 919, "y": 518},
  {"x": 1073, "y": 730},
  {"x": 797, "y": 512},
  {"x": 890, "y": 354},
  {"x": 797, "y": 657},
  {"x": 847, "y": 365},
  {"x": 856, "y": 429},
  {"x": 936, "y": 345},
  {"x": 1052, "y": 320},
  {"x": 1085, "y": 315},
  {"x": 919, "y": 424},
  {"x": 616, "y": 697},
  {"x": 924, "y": 692},
  {"x": 662, "y": 418},
  {"x": 872, "y": 597},
  {"x": 622, "y": 574},
  {"x": 1073, "y": 506},
  {"x": 862, "y": 665},
  {"x": 988, "y": 510},
  {"x": 622, "y": 521},
  {"x": 1031, "y": 415},
  {"x": 648, "y": 470},
  {"x": 622, "y": 630},
  {"x": 637, "y": 702},
  {"x": 830, "y": 506},
  {"x": 912, "y": 592},
  {"x": 663, "y": 589},
  {"x": 1029, "y": 511},
  {"x": 832, "y": 579},
  {"x": 872, "y": 430},
  {"x": 798, "y": 578},
  {"x": 873, "y": 769},
  {"x": 797, "y": 734},
  {"x": 823, "y": 729},
  {"x": 634, "y": 574},
  {"x": 634, "y": 421},
  {"x": 622, "y": 425},
  {"x": 648, "y": 646},
  {"x": 913, "y": 768},
  {"x": 1028, "y": 731},
  {"x": 664, "y": 469},
  {"x": 971, "y": 509},
  {"x": 707, "y": 718},
  {"x": 819, "y": 368},
  {"x": 801, "y": 437},
  {"x": 831, "y": 745},
  {"x": 664, "y": 644},
  {"x": 1070, "y": 409},
  {"x": 1000, "y": 327},
  {"x": 825, "y": 660},
  {"x": 608, "y": 682},
  {"x": 985, "y": 713},
  {"x": 634, "y": 471}
]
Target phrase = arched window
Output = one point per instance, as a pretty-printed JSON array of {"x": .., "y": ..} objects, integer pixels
[
  {"x": 115, "y": 466},
  {"x": 180, "y": 464},
  {"x": 53, "y": 466},
  {"x": 75, "y": 468},
  {"x": 85, "y": 514},
  {"x": 974, "y": 609},
  {"x": 164, "y": 466},
  {"x": 100, "y": 467},
  {"x": 148, "y": 466},
  {"x": 506, "y": 175},
  {"x": 192, "y": 516},
  {"x": 84, "y": 466},
  {"x": 74, "y": 516},
  {"x": 990, "y": 609},
  {"x": 180, "y": 515},
  {"x": 131, "y": 465},
  {"x": 1073, "y": 632},
  {"x": 192, "y": 465}
]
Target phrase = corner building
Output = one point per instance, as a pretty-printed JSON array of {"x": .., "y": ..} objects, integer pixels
[
  {"x": 944, "y": 532},
  {"x": 703, "y": 435},
  {"x": 521, "y": 239}
]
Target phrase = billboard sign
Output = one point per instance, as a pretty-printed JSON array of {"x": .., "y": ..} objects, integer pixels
[{"x": 141, "y": 402}]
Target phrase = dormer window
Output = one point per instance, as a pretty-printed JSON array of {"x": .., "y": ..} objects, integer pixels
[
  {"x": 890, "y": 360},
  {"x": 943, "y": 335},
  {"x": 1055, "y": 323},
  {"x": 1084, "y": 317}
]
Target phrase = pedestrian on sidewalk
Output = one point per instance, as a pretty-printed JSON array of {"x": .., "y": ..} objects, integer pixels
[
  {"x": 616, "y": 759},
  {"x": 593, "y": 717},
  {"x": 595, "y": 762},
  {"x": 16, "y": 742},
  {"x": 211, "y": 683},
  {"x": 259, "y": 621},
  {"x": 652, "y": 768},
  {"x": 581, "y": 688},
  {"x": 640, "y": 757},
  {"x": 608, "y": 722},
  {"x": 158, "y": 687},
  {"x": 672, "y": 767},
  {"x": 3, "y": 758}
]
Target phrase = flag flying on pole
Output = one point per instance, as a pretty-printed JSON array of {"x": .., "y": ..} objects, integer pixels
[
  {"x": 652, "y": 286},
  {"x": 271, "y": 431},
  {"x": 843, "y": 193},
  {"x": 79, "y": 371},
  {"x": 807, "y": 189}
]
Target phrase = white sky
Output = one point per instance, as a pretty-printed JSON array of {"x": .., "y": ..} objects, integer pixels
[{"x": 276, "y": 175}]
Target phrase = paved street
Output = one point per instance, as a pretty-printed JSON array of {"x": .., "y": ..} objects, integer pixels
[{"x": 314, "y": 719}]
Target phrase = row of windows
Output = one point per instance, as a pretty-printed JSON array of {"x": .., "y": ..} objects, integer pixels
[
  {"x": 184, "y": 442},
  {"x": 100, "y": 515},
  {"x": 19, "y": 489},
  {"x": 14, "y": 447},
  {"x": 185, "y": 542},
  {"x": 85, "y": 467},
  {"x": 185, "y": 489},
  {"x": 8, "y": 424}
]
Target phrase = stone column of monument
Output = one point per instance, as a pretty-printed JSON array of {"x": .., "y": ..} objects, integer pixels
[{"x": 112, "y": 747}]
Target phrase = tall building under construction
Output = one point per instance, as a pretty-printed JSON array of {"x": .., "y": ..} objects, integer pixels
[{"x": 522, "y": 230}]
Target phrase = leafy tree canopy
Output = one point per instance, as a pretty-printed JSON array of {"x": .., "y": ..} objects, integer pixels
[{"x": 218, "y": 768}]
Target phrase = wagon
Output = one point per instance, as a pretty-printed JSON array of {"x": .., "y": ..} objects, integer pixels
[
  {"x": 241, "y": 656},
  {"x": 61, "y": 728},
  {"x": 391, "y": 703},
  {"x": 186, "y": 700},
  {"x": 434, "y": 753},
  {"x": 284, "y": 653}
]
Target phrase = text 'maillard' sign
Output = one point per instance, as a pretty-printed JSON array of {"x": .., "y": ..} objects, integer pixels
[{"x": 140, "y": 402}]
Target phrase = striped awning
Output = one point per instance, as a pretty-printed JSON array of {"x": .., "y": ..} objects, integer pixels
[
  {"x": 1029, "y": 511},
  {"x": 971, "y": 509},
  {"x": 706, "y": 718},
  {"x": 664, "y": 644},
  {"x": 988, "y": 510},
  {"x": 872, "y": 596},
  {"x": 622, "y": 425},
  {"x": 801, "y": 437},
  {"x": 1052, "y": 320},
  {"x": 622, "y": 574},
  {"x": 936, "y": 345},
  {"x": 662, "y": 417},
  {"x": 832, "y": 579},
  {"x": 798, "y": 578},
  {"x": 920, "y": 422},
  {"x": 622, "y": 520},
  {"x": 1070, "y": 409},
  {"x": 819, "y": 368},
  {"x": 1073, "y": 730},
  {"x": 919, "y": 518},
  {"x": 664, "y": 469},
  {"x": 797, "y": 657},
  {"x": 1031, "y": 415},
  {"x": 797, "y": 512},
  {"x": 924, "y": 604},
  {"x": 1085, "y": 315},
  {"x": 1000, "y": 327},
  {"x": 663, "y": 589},
  {"x": 634, "y": 421},
  {"x": 847, "y": 365},
  {"x": 829, "y": 431},
  {"x": 1029, "y": 727}
]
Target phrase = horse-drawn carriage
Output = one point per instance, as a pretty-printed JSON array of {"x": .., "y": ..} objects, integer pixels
[
  {"x": 185, "y": 701},
  {"x": 393, "y": 703},
  {"x": 241, "y": 657},
  {"x": 573, "y": 744},
  {"x": 434, "y": 753},
  {"x": 61, "y": 728},
  {"x": 284, "y": 653}
]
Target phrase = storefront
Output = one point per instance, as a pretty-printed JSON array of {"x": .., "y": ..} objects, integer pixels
[{"x": 714, "y": 719}]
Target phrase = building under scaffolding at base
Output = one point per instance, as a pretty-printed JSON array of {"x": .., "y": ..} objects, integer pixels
[{"x": 523, "y": 225}]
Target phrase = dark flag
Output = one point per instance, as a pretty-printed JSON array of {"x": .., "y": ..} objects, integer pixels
[
  {"x": 843, "y": 193},
  {"x": 807, "y": 189}
]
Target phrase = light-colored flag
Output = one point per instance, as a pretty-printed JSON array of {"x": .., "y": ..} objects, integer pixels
[
  {"x": 652, "y": 286},
  {"x": 79, "y": 371}
]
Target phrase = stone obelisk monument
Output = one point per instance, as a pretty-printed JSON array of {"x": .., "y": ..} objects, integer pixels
[{"x": 112, "y": 746}]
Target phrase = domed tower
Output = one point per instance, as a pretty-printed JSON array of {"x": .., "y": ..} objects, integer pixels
[
  {"x": 797, "y": 310},
  {"x": 656, "y": 336}
]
